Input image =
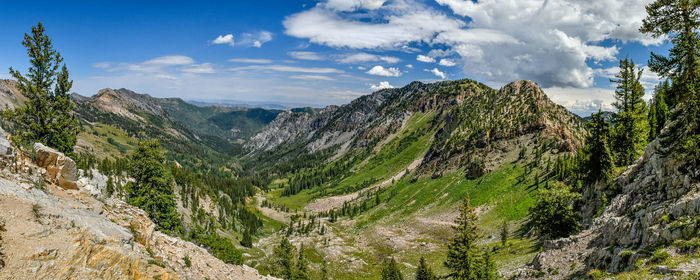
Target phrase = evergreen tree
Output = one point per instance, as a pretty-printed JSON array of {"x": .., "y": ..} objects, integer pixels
[
  {"x": 152, "y": 189},
  {"x": 463, "y": 257},
  {"x": 424, "y": 272},
  {"x": 284, "y": 259},
  {"x": 598, "y": 161},
  {"x": 553, "y": 214},
  {"x": 247, "y": 240},
  {"x": 658, "y": 110},
  {"x": 679, "y": 20},
  {"x": 301, "y": 271},
  {"x": 504, "y": 233},
  {"x": 631, "y": 125},
  {"x": 390, "y": 271},
  {"x": 324, "y": 271},
  {"x": 46, "y": 116}
]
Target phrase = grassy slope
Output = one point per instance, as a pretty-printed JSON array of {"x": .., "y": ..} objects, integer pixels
[
  {"x": 95, "y": 139},
  {"x": 380, "y": 167},
  {"x": 503, "y": 194}
]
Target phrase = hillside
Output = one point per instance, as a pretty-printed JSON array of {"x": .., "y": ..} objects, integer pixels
[
  {"x": 392, "y": 166},
  {"x": 49, "y": 232}
]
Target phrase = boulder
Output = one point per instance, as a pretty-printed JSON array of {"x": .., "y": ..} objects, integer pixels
[{"x": 60, "y": 169}]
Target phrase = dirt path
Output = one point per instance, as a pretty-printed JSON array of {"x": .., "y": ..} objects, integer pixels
[{"x": 328, "y": 203}]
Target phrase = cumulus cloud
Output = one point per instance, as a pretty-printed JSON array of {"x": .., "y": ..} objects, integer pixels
[
  {"x": 497, "y": 41},
  {"x": 582, "y": 101},
  {"x": 425, "y": 58},
  {"x": 381, "y": 85},
  {"x": 325, "y": 26},
  {"x": 447, "y": 62},
  {"x": 252, "y": 60},
  {"x": 386, "y": 72},
  {"x": 437, "y": 73},
  {"x": 224, "y": 39},
  {"x": 366, "y": 57},
  {"x": 306, "y": 56},
  {"x": 648, "y": 80}
]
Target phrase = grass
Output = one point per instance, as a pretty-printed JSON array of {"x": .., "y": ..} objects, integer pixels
[
  {"x": 105, "y": 141},
  {"x": 394, "y": 157}
]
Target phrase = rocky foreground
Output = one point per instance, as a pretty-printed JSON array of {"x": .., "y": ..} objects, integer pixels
[{"x": 54, "y": 231}]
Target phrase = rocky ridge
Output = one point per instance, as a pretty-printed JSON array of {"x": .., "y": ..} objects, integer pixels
[
  {"x": 48, "y": 232},
  {"x": 658, "y": 205}
]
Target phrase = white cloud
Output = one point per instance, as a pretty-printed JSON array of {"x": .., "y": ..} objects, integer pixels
[
  {"x": 286, "y": 68},
  {"x": 381, "y": 85},
  {"x": 496, "y": 41},
  {"x": 424, "y": 58},
  {"x": 582, "y": 101},
  {"x": 352, "y": 5},
  {"x": 102, "y": 65},
  {"x": 204, "y": 68},
  {"x": 252, "y": 60},
  {"x": 386, "y": 72},
  {"x": 399, "y": 27},
  {"x": 366, "y": 57},
  {"x": 224, "y": 39},
  {"x": 306, "y": 56},
  {"x": 361, "y": 68},
  {"x": 312, "y": 77},
  {"x": 437, "y": 72},
  {"x": 409, "y": 66},
  {"x": 447, "y": 62}
]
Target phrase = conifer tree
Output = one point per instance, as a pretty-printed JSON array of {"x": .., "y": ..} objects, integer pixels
[
  {"x": 301, "y": 271},
  {"x": 598, "y": 160},
  {"x": 46, "y": 116},
  {"x": 247, "y": 240},
  {"x": 504, "y": 233},
  {"x": 424, "y": 272},
  {"x": 631, "y": 125},
  {"x": 324, "y": 271},
  {"x": 553, "y": 214},
  {"x": 284, "y": 259},
  {"x": 463, "y": 257},
  {"x": 658, "y": 110},
  {"x": 152, "y": 189},
  {"x": 678, "y": 20},
  {"x": 390, "y": 271}
]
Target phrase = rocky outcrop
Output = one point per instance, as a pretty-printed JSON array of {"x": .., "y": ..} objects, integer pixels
[
  {"x": 657, "y": 205},
  {"x": 10, "y": 96},
  {"x": 52, "y": 233},
  {"x": 60, "y": 169}
]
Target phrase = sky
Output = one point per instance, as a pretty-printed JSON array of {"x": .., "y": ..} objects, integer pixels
[{"x": 318, "y": 53}]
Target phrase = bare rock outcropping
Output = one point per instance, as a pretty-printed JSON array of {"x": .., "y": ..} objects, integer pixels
[
  {"x": 658, "y": 204},
  {"x": 60, "y": 169}
]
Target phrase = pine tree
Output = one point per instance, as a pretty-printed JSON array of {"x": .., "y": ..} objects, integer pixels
[
  {"x": 597, "y": 158},
  {"x": 324, "y": 271},
  {"x": 390, "y": 271},
  {"x": 658, "y": 110},
  {"x": 301, "y": 271},
  {"x": 46, "y": 116},
  {"x": 631, "y": 125},
  {"x": 463, "y": 258},
  {"x": 152, "y": 189},
  {"x": 247, "y": 240},
  {"x": 679, "y": 20},
  {"x": 424, "y": 272},
  {"x": 284, "y": 259},
  {"x": 504, "y": 233}
]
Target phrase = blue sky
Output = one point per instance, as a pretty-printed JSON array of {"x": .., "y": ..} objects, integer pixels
[{"x": 332, "y": 51}]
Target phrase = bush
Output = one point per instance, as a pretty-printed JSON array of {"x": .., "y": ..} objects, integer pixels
[
  {"x": 659, "y": 256},
  {"x": 553, "y": 215},
  {"x": 221, "y": 248}
]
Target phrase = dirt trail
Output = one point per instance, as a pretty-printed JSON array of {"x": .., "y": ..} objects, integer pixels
[{"x": 328, "y": 203}]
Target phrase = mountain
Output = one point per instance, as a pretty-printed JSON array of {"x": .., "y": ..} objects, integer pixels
[{"x": 383, "y": 174}]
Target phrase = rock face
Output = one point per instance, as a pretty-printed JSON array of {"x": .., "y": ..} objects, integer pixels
[
  {"x": 60, "y": 169},
  {"x": 657, "y": 205},
  {"x": 51, "y": 233}
]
